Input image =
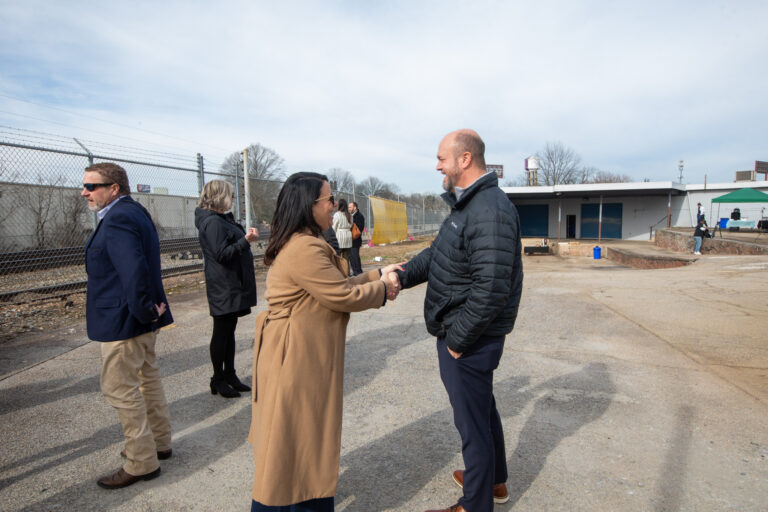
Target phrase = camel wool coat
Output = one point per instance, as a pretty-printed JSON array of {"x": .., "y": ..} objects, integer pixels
[{"x": 298, "y": 370}]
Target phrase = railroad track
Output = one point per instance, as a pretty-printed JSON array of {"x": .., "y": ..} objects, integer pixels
[
  {"x": 40, "y": 259},
  {"x": 31, "y": 261},
  {"x": 58, "y": 290}
]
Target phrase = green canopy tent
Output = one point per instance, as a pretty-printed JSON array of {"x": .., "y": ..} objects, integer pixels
[{"x": 743, "y": 195}]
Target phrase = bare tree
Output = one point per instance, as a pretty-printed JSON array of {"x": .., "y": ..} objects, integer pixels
[
  {"x": 559, "y": 164},
  {"x": 263, "y": 163},
  {"x": 68, "y": 227},
  {"x": 517, "y": 181},
  {"x": 390, "y": 191},
  {"x": 340, "y": 180},
  {"x": 40, "y": 204},
  {"x": 6, "y": 176},
  {"x": 266, "y": 171},
  {"x": 371, "y": 186},
  {"x": 609, "y": 177}
]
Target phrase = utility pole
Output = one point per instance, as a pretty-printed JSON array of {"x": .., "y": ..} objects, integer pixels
[
  {"x": 247, "y": 187},
  {"x": 200, "y": 174},
  {"x": 90, "y": 163},
  {"x": 237, "y": 191},
  {"x": 423, "y": 214}
]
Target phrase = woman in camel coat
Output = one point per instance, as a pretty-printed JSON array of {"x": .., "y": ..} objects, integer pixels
[{"x": 298, "y": 356}]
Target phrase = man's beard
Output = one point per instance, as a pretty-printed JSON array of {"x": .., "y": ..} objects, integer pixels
[{"x": 448, "y": 184}]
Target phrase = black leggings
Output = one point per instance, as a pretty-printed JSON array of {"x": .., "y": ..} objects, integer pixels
[{"x": 223, "y": 345}]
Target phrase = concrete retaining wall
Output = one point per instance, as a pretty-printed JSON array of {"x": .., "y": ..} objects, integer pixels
[
  {"x": 683, "y": 242},
  {"x": 639, "y": 260},
  {"x": 571, "y": 249}
]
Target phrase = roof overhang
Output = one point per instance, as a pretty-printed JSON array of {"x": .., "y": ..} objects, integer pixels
[{"x": 651, "y": 188}]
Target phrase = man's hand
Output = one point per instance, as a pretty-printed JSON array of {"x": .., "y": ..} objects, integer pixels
[
  {"x": 391, "y": 280},
  {"x": 160, "y": 308},
  {"x": 455, "y": 355},
  {"x": 393, "y": 284}
]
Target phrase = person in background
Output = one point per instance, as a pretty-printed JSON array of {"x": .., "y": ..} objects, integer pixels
[
  {"x": 699, "y": 212},
  {"x": 354, "y": 251},
  {"x": 230, "y": 282},
  {"x": 298, "y": 354},
  {"x": 342, "y": 225},
  {"x": 698, "y": 234},
  {"x": 124, "y": 308}
]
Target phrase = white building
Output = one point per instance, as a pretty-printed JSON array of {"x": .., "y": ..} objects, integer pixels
[{"x": 631, "y": 211}]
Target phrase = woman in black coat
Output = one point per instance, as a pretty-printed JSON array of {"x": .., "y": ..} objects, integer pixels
[{"x": 230, "y": 282}]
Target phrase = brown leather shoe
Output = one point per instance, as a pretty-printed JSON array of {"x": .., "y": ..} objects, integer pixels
[
  {"x": 500, "y": 494},
  {"x": 123, "y": 479},
  {"x": 161, "y": 455},
  {"x": 454, "y": 508}
]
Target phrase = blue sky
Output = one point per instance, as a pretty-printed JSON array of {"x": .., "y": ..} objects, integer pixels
[{"x": 371, "y": 87}]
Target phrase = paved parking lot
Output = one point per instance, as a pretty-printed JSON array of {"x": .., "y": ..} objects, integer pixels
[{"x": 620, "y": 389}]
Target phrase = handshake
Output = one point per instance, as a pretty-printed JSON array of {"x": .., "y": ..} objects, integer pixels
[{"x": 389, "y": 276}]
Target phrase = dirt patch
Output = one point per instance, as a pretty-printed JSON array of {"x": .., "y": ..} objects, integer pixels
[
  {"x": 392, "y": 253},
  {"x": 68, "y": 310}
]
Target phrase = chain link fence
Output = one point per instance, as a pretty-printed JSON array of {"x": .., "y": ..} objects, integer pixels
[{"x": 44, "y": 223}]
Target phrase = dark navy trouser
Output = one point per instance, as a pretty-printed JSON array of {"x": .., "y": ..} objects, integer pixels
[
  {"x": 316, "y": 505},
  {"x": 469, "y": 383}
]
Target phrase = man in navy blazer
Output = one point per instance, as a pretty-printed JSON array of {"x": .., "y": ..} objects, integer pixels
[{"x": 125, "y": 306}]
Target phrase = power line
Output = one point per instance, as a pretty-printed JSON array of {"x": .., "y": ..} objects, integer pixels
[
  {"x": 102, "y": 121},
  {"x": 48, "y": 140}
]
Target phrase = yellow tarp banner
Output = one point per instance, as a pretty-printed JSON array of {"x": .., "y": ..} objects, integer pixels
[{"x": 390, "y": 223}]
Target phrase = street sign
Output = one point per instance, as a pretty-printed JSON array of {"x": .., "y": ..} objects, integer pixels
[{"x": 498, "y": 169}]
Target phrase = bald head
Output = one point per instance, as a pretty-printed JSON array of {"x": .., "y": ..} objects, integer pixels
[
  {"x": 468, "y": 141},
  {"x": 461, "y": 158}
]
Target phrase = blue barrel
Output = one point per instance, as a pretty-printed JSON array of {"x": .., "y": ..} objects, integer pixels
[
  {"x": 723, "y": 223},
  {"x": 596, "y": 252}
]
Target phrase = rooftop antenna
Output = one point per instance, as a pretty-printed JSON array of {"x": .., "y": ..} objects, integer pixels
[{"x": 680, "y": 168}]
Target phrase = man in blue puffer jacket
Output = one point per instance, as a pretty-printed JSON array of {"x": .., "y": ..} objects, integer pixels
[{"x": 474, "y": 276}]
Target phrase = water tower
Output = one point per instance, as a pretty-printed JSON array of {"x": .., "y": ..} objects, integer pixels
[{"x": 531, "y": 171}]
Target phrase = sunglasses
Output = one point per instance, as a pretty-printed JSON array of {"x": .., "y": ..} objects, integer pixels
[
  {"x": 90, "y": 187},
  {"x": 328, "y": 197}
]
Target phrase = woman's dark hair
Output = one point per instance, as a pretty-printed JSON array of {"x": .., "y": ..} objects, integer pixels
[
  {"x": 344, "y": 207},
  {"x": 293, "y": 211}
]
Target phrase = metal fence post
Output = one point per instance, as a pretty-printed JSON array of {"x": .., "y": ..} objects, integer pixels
[
  {"x": 200, "y": 174},
  {"x": 90, "y": 163},
  {"x": 247, "y": 189},
  {"x": 237, "y": 192}
]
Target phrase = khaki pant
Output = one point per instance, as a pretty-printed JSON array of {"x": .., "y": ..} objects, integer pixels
[{"x": 130, "y": 381}]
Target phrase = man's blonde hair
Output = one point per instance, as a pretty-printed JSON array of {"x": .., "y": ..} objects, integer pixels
[{"x": 216, "y": 195}]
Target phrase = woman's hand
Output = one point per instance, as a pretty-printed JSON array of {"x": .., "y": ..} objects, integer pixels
[
  {"x": 252, "y": 234},
  {"x": 389, "y": 276}
]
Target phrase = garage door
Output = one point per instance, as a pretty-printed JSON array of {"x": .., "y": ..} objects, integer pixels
[
  {"x": 534, "y": 219},
  {"x": 611, "y": 220}
]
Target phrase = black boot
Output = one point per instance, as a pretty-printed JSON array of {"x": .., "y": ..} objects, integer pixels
[
  {"x": 222, "y": 388},
  {"x": 232, "y": 380}
]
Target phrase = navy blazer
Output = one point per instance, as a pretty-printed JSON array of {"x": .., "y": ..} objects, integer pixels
[{"x": 122, "y": 260}]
